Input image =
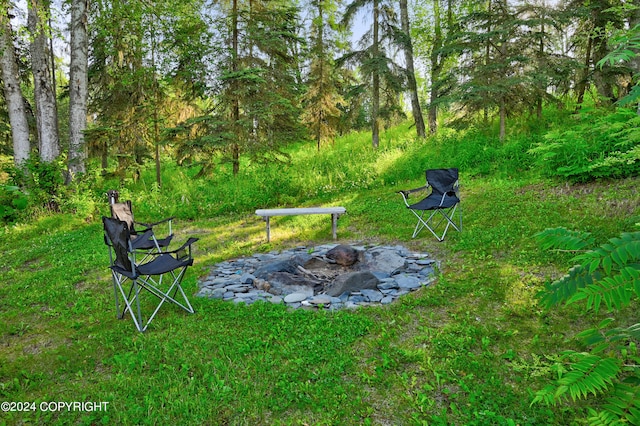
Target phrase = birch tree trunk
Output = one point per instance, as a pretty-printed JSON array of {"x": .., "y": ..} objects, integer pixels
[
  {"x": 12, "y": 92},
  {"x": 411, "y": 74},
  {"x": 78, "y": 88},
  {"x": 46, "y": 111}
]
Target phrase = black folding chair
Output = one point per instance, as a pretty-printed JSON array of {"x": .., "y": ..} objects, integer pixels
[
  {"x": 441, "y": 203},
  {"x": 124, "y": 212},
  {"x": 151, "y": 276}
]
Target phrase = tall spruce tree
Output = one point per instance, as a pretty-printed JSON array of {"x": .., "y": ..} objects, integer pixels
[
  {"x": 322, "y": 101},
  {"x": 494, "y": 62},
  {"x": 256, "y": 109},
  {"x": 373, "y": 58}
]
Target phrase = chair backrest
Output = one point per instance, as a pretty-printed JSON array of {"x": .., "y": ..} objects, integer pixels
[
  {"x": 117, "y": 232},
  {"x": 113, "y": 196},
  {"x": 123, "y": 212},
  {"x": 442, "y": 180}
]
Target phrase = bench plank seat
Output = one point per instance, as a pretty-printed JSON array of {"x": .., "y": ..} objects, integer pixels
[{"x": 335, "y": 212}]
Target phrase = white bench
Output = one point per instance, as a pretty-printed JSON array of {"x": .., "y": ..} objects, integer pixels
[{"x": 335, "y": 212}]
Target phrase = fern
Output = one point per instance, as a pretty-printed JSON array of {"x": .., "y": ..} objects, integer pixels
[
  {"x": 608, "y": 274},
  {"x": 564, "y": 239},
  {"x": 588, "y": 374},
  {"x": 593, "y": 279},
  {"x": 601, "y": 338},
  {"x": 618, "y": 251},
  {"x": 615, "y": 291},
  {"x": 565, "y": 288},
  {"x": 622, "y": 406}
]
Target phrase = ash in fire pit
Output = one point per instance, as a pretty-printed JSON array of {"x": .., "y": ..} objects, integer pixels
[{"x": 334, "y": 276}]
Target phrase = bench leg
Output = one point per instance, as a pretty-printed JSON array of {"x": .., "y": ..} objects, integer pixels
[
  {"x": 266, "y": 219},
  {"x": 334, "y": 225}
]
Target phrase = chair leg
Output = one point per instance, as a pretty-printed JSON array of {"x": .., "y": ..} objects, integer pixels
[
  {"x": 420, "y": 225},
  {"x": 115, "y": 293},
  {"x": 152, "y": 286},
  {"x": 131, "y": 300},
  {"x": 431, "y": 225}
]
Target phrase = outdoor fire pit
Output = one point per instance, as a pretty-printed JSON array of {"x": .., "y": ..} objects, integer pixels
[{"x": 332, "y": 276}]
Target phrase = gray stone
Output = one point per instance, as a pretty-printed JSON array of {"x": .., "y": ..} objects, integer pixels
[
  {"x": 386, "y": 300},
  {"x": 426, "y": 271},
  {"x": 357, "y": 298},
  {"x": 218, "y": 293},
  {"x": 204, "y": 292},
  {"x": 384, "y": 260},
  {"x": 372, "y": 295},
  {"x": 381, "y": 275},
  {"x": 245, "y": 295},
  {"x": 321, "y": 299},
  {"x": 407, "y": 281},
  {"x": 388, "y": 284},
  {"x": 352, "y": 281},
  {"x": 295, "y": 297},
  {"x": 264, "y": 271},
  {"x": 238, "y": 288},
  {"x": 247, "y": 278}
]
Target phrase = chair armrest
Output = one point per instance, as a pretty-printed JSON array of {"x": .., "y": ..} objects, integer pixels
[
  {"x": 407, "y": 192},
  {"x": 151, "y": 225},
  {"x": 456, "y": 188},
  {"x": 184, "y": 251},
  {"x": 185, "y": 245}
]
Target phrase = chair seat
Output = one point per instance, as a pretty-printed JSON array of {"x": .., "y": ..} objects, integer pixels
[
  {"x": 436, "y": 201},
  {"x": 149, "y": 243},
  {"x": 160, "y": 265},
  {"x": 163, "y": 264}
]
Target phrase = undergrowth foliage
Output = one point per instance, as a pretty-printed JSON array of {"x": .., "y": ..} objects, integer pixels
[
  {"x": 596, "y": 144},
  {"x": 608, "y": 274}
]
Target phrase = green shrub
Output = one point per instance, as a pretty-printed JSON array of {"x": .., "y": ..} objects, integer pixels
[
  {"x": 12, "y": 203},
  {"x": 596, "y": 145}
]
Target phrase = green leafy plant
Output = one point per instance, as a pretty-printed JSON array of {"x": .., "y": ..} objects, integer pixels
[
  {"x": 12, "y": 202},
  {"x": 596, "y": 146},
  {"x": 608, "y": 274},
  {"x": 627, "y": 44}
]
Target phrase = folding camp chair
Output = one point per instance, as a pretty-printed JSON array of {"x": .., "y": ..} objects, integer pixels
[
  {"x": 124, "y": 212},
  {"x": 442, "y": 203},
  {"x": 151, "y": 276}
]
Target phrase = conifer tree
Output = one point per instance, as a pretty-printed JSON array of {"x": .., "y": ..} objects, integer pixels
[
  {"x": 374, "y": 61},
  {"x": 322, "y": 100}
]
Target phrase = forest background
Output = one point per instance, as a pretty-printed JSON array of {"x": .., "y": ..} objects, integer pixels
[{"x": 267, "y": 103}]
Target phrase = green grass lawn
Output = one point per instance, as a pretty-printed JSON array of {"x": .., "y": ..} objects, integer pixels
[{"x": 471, "y": 349}]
